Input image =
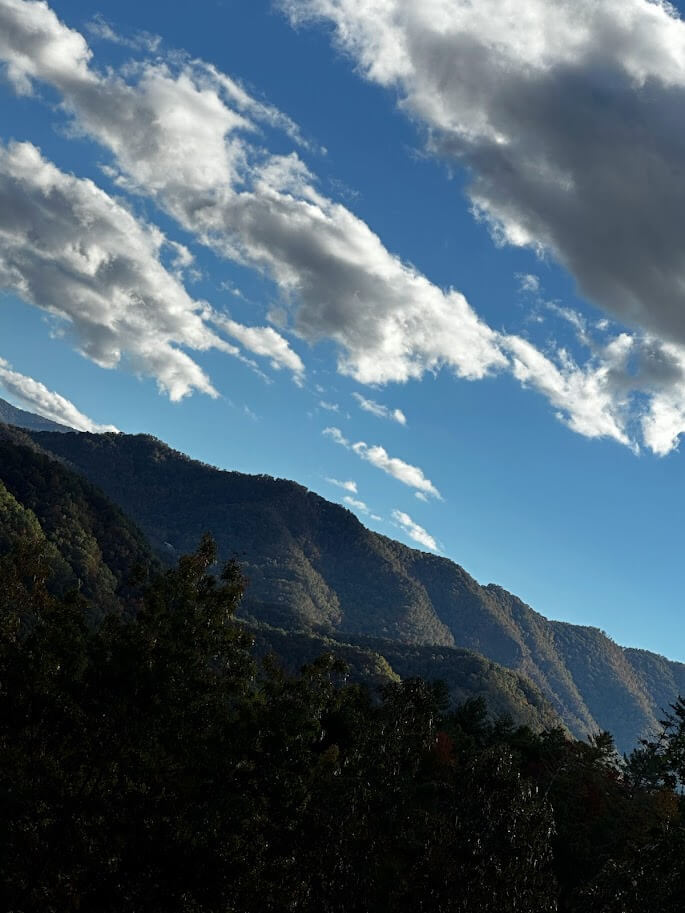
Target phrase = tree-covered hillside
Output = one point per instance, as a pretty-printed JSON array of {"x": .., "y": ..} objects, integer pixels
[
  {"x": 86, "y": 542},
  {"x": 54, "y": 519},
  {"x": 376, "y": 661},
  {"x": 311, "y": 565}
]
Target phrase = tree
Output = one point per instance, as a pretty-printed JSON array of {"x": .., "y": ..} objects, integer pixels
[{"x": 111, "y": 745}]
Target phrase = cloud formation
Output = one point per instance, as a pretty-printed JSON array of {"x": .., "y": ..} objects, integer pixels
[
  {"x": 414, "y": 531},
  {"x": 347, "y": 486},
  {"x": 393, "y": 466},
  {"x": 588, "y": 398},
  {"x": 264, "y": 341},
  {"x": 36, "y": 397},
  {"x": 379, "y": 410},
  {"x": 186, "y": 135},
  {"x": 564, "y": 115},
  {"x": 98, "y": 27},
  {"x": 69, "y": 248},
  {"x": 356, "y": 504},
  {"x": 567, "y": 117}
]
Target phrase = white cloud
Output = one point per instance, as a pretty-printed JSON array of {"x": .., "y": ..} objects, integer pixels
[
  {"x": 564, "y": 114},
  {"x": 259, "y": 110},
  {"x": 528, "y": 282},
  {"x": 587, "y": 397},
  {"x": 414, "y": 531},
  {"x": 35, "y": 45},
  {"x": 336, "y": 435},
  {"x": 566, "y": 156},
  {"x": 69, "y": 248},
  {"x": 356, "y": 504},
  {"x": 381, "y": 411},
  {"x": 36, "y": 397},
  {"x": 264, "y": 341},
  {"x": 329, "y": 407},
  {"x": 403, "y": 472},
  {"x": 182, "y": 135},
  {"x": 98, "y": 27},
  {"x": 630, "y": 388},
  {"x": 347, "y": 486},
  {"x": 379, "y": 457},
  {"x": 661, "y": 370},
  {"x": 74, "y": 251}
]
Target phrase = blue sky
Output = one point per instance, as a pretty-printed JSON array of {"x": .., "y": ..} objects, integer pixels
[{"x": 430, "y": 250}]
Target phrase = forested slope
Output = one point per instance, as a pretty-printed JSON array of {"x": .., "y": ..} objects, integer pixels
[
  {"x": 84, "y": 541},
  {"x": 56, "y": 523},
  {"x": 313, "y": 566}
]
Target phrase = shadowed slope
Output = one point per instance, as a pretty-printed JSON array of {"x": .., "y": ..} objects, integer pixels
[{"x": 313, "y": 566}]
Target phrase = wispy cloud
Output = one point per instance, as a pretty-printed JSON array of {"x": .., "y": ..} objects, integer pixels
[
  {"x": 414, "y": 531},
  {"x": 356, "y": 504},
  {"x": 393, "y": 466},
  {"x": 377, "y": 409},
  {"x": 263, "y": 341},
  {"x": 529, "y": 282},
  {"x": 98, "y": 27},
  {"x": 36, "y": 397},
  {"x": 347, "y": 486}
]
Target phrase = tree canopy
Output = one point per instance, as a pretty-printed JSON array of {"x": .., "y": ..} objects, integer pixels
[{"x": 149, "y": 762}]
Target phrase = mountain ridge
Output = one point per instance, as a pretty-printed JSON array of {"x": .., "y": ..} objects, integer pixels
[
  {"x": 312, "y": 565},
  {"x": 57, "y": 527},
  {"x": 12, "y": 415}
]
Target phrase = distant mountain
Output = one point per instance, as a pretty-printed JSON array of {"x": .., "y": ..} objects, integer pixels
[
  {"x": 313, "y": 567},
  {"x": 10, "y": 415}
]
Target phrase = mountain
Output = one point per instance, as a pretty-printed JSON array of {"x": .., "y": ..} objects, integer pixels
[
  {"x": 378, "y": 662},
  {"x": 10, "y": 415},
  {"x": 52, "y": 514},
  {"x": 83, "y": 539},
  {"x": 313, "y": 567}
]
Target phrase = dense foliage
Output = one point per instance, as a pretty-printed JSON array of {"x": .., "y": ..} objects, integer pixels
[
  {"x": 89, "y": 543},
  {"x": 148, "y": 762},
  {"x": 313, "y": 567},
  {"x": 376, "y": 661}
]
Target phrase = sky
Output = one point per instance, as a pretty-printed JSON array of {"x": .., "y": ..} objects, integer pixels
[{"x": 425, "y": 259}]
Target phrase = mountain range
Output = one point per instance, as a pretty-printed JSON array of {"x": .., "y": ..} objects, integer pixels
[{"x": 319, "y": 580}]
